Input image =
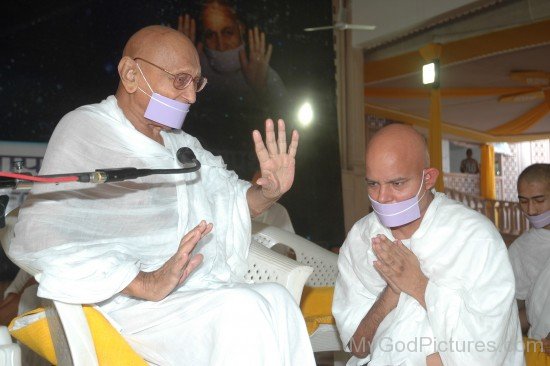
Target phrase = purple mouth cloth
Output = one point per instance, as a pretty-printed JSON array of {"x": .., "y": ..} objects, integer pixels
[{"x": 166, "y": 111}]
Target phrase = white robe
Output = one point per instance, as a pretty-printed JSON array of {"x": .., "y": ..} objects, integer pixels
[
  {"x": 530, "y": 258},
  {"x": 90, "y": 241},
  {"x": 471, "y": 316}
]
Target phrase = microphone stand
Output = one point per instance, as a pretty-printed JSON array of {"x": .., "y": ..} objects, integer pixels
[{"x": 25, "y": 181}]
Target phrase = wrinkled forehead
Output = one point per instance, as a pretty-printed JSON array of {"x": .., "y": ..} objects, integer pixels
[{"x": 173, "y": 54}]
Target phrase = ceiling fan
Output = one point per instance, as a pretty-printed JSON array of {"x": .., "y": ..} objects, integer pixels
[
  {"x": 537, "y": 79},
  {"x": 340, "y": 23}
]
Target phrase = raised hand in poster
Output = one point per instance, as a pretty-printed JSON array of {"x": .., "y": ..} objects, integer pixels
[
  {"x": 188, "y": 26},
  {"x": 255, "y": 66}
]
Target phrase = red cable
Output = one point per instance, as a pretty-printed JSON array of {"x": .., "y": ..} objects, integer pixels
[{"x": 32, "y": 178}]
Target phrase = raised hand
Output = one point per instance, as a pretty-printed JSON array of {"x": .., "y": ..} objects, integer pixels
[
  {"x": 277, "y": 161},
  {"x": 399, "y": 267},
  {"x": 156, "y": 285},
  {"x": 188, "y": 26},
  {"x": 255, "y": 66}
]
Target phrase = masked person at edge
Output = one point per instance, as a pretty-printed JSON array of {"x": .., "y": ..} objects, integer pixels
[
  {"x": 143, "y": 250},
  {"x": 423, "y": 280},
  {"x": 224, "y": 60},
  {"x": 530, "y": 255}
]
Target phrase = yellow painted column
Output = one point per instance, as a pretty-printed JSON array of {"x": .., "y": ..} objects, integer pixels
[
  {"x": 487, "y": 172},
  {"x": 429, "y": 53},
  {"x": 434, "y": 144}
]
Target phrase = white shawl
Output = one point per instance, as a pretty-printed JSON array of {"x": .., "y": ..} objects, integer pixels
[
  {"x": 538, "y": 305},
  {"x": 90, "y": 241}
]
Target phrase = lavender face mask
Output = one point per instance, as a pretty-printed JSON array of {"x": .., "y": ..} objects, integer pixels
[
  {"x": 398, "y": 213},
  {"x": 224, "y": 61},
  {"x": 539, "y": 221},
  {"x": 163, "y": 110}
]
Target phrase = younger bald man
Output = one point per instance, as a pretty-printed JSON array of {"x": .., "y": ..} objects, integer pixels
[
  {"x": 423, "y": 280},
  {"x": 530, "y": 254}
]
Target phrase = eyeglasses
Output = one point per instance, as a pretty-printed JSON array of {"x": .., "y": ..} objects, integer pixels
[{"x": 181, "y": 80}]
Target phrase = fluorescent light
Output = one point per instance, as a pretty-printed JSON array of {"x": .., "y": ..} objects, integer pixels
[{"x": 428, "y": 73}]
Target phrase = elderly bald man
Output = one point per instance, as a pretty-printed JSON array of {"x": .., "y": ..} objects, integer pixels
[
  {"x": 163, "y": 256},
  {"x": 423, "y": 279}
]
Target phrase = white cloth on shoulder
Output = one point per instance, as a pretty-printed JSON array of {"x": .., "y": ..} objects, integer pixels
[
  {"x": 538, "y": 306},
  {"x": 89, "y": 241},
  {"x": 530, "y": 258}
]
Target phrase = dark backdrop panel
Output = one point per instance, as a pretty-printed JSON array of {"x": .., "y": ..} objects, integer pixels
[{"x": 59, "y": 55}]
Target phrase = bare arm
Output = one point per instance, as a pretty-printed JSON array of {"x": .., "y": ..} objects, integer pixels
[
  {"x": 156, "y": 285},
  {"x": 362, "y": 338},
  {"x": 257, "y": 202},
  {"x": 523, "y": 316}
]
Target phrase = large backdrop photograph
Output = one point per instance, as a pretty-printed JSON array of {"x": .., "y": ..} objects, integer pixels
[{"x": 259, "y": 62}]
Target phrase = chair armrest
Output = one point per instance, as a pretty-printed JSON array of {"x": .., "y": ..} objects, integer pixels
[
  {"x": 323, "y": 261},
  {"x": 71, "y": 334},
  {"x": 265, "y": 265}
]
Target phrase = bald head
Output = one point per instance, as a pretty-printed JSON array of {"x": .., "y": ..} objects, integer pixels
[
  {"x": 536, "y": 173},
  {"x": 160, "y": 44},
  {"x": 401, "y": 142}
]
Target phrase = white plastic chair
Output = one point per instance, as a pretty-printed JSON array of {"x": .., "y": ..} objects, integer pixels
[
  {"x": 70, "y": 333},
  {"x": 10, "y": 353},
  {"x": 325, "y": 271}
]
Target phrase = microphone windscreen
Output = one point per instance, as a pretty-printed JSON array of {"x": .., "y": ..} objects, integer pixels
[{"x": 185, "y": 155}]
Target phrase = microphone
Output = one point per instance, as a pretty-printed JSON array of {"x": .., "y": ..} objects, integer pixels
[{"x": 184, "y": 155}]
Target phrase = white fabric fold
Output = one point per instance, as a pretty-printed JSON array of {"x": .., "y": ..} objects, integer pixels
[
  {"x": 469, "y": 298},
  {"x": 530, "y": 258},
  {"x": 538, "y": 305},
  {"x": 89, "y": 241}
]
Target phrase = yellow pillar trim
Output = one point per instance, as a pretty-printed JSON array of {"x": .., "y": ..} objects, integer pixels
[
  {"x": 431, "y": 51},
  {"x": 461, "y": 50},
  {"x": 522, "y": 123},
  {"x": 445, "y": 92},
  {"x": 487, "y": 172},
  {"x": 448, "y": 128},
  {"x": 436, "y": 137}
]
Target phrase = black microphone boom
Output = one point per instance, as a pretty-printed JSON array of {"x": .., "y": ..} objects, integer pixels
[{"x": 184, "y": 155}]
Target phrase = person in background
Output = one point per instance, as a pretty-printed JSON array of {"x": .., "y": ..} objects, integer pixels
[
  {"x": 530, "y": 254},
  {"x": 469, "y": 165},
  {"x": 423, "y": 280}
]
